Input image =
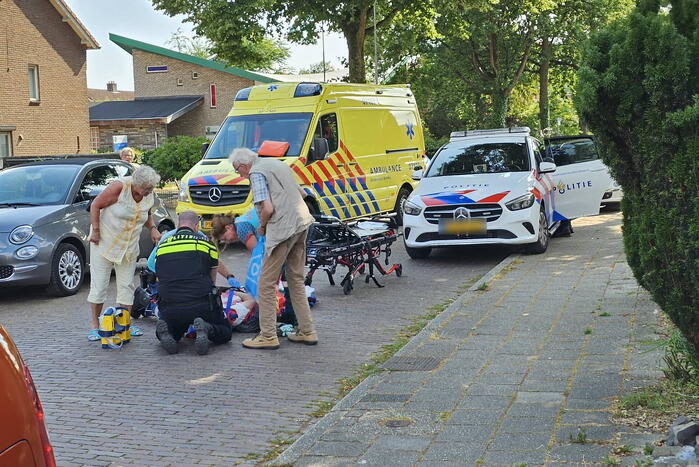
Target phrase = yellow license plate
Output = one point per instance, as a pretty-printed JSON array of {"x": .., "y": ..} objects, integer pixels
[
  {"x": 206, "y": 225},
  {"x": 464, "y": 227}
]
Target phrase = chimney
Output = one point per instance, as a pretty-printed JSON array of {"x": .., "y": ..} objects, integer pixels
[{"x": 111, "y": 86}]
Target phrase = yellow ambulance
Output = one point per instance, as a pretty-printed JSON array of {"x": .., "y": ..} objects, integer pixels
[{"x": 352, "y": 147}]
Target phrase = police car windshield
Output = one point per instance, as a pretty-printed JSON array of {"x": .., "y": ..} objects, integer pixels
[
  {"x": 464, "y": 158},
  {"x": 249, "y": 131}
]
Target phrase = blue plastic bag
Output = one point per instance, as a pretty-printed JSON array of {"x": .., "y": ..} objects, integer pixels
[{"x": 255, "y": 266}]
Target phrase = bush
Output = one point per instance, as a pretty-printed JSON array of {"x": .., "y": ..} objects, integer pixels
[
  {"x": 175, "y": 157},
  {"x": 432, "y": 143},
  {"x": 638, "y": 92}
]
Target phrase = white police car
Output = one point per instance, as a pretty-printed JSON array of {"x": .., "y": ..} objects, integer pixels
[{"x": 496, "y": 187}]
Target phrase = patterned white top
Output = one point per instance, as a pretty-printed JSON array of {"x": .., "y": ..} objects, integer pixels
[{"x": 121, "y": 225}]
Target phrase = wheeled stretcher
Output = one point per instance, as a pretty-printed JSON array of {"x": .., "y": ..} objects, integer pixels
[{"x": 357, "y": 245}]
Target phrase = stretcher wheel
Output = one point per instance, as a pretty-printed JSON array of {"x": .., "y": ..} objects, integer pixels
[
  {"x": 399, "y": 270},
  {"x": 348, "y": 286}
]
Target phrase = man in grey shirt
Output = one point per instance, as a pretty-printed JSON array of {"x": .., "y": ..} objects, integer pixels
[{"x": 284, "y": 221}]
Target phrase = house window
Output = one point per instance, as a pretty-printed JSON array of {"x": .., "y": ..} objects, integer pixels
[
  {"x": 156, "y": 69},
  {"x": 5, "y": 144},
  {"x": 33, "y": 83},
  {"x": 195, "y": 75},
  {"x": 212, "y": 95},
  {"x": 180, "y": 82}
]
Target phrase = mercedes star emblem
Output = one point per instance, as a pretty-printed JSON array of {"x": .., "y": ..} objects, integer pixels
[
  {"x": 215, "y": 194},
  {"x": 461, "y": 213}
]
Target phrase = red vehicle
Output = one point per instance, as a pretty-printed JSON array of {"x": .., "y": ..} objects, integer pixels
[{"x": 24, "y": 440}]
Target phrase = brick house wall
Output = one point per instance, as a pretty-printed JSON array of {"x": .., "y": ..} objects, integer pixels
[
  {"x": 142, "y": 134},
  {"x": 59, "y": 123},
  {"x": 165, "y": 84}
]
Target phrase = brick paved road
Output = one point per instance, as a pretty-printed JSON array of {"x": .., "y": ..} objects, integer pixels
[{"x": 142, "y": 406}]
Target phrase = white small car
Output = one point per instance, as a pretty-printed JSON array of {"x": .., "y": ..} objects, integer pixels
[{"x": 497, "y": 187}]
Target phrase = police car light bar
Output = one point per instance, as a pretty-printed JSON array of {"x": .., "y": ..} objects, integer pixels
[{"x": 492, "y": 131}]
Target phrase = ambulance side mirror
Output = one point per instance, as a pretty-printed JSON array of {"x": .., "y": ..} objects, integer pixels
[{"x": 319, "y": 149}]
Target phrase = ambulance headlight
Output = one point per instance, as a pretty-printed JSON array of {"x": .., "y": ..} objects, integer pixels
[
  {"x": 411, "y": 209},
  {"x": 523, "y": 202},
  {"x": 184, "y": 193}
]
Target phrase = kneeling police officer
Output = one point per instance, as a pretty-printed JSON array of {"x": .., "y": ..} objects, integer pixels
[{"x": 186, "y": 267}]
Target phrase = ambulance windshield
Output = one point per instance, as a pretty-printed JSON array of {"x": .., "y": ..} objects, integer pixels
[
  {"x": 249, "y": 131},
  {"x": 463, "y": 158}
]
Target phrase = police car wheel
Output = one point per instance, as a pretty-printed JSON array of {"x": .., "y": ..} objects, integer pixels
[
  {"x": 542, "y": 242},
  {"x": 67, "y": 271},
  {"x": 418, "y": 253}
]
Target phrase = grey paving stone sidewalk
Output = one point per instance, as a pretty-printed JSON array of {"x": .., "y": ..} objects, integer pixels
[{"x": 511, "y": 374}]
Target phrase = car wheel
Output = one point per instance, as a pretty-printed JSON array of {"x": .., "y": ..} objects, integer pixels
[
  {"x": 417, "y": 253},
  {"x": 398, "y": 208},
  {"x": 542, "y": 242},
  {"x": 67, "y": 271}
]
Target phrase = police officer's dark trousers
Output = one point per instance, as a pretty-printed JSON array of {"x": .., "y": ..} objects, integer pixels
[{"x": 179, "y": 316}]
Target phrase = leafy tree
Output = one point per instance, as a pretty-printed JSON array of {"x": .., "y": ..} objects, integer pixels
[
  {"x": 638, "y": 91},
  {"x": 487, "y": 47},
  {"x": 317, "y": 68},
  {"x": 197, "y": 46},
  {"x": 561, "y": 28},
  {"x": 270, "y": 55},
  {"x": 236, "y": 28},
  {"x": 175, "y": 157}
]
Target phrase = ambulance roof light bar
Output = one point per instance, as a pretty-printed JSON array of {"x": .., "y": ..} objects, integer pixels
[{"x": 492, "y": 131}]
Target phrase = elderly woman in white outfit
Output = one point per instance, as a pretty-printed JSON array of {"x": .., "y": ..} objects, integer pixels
[{"x": 117, "y": 216}]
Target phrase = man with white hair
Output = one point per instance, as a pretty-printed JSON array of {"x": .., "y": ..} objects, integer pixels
[
  {"x": 186, "y": 267},
  {"x": 284, "y": 220}
]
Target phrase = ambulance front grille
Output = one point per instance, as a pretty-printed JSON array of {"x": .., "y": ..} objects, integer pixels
[
  {"x": 491, "y": 212},
  {"x": 219, "y": 195}
]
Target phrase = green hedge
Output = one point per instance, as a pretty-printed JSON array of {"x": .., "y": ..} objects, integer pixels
[
  {"x": 638, "y": 90},
  {"x": 175, "y": 157}
]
